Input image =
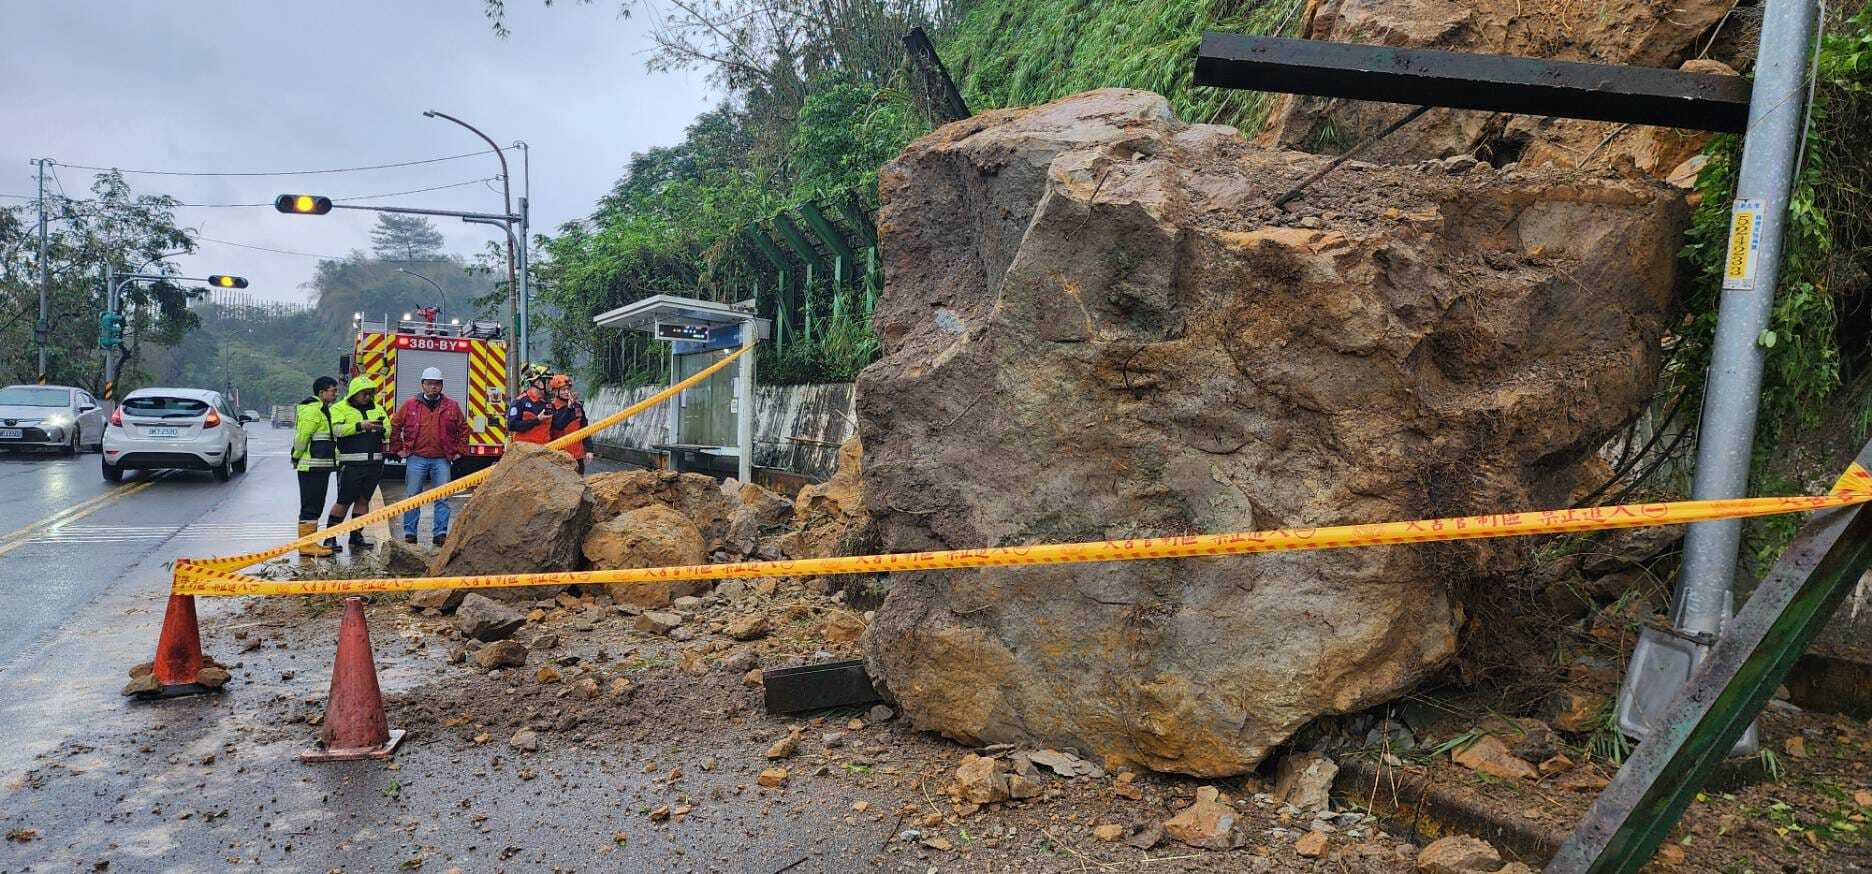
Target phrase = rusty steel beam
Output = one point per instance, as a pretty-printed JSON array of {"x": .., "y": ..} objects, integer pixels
[{"x": 1462, "y": 80}]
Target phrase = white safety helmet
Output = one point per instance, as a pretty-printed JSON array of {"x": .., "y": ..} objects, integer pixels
[{"x": 434, "y": 373}]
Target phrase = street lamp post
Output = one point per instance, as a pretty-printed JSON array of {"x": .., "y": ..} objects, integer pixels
[{"x": 516, "y": 249}]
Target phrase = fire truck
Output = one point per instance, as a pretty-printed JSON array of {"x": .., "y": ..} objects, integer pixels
[{"x": 473, "y": 361}]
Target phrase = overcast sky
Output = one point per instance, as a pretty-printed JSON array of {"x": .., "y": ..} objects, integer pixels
[{"x": 219, "y": 85}]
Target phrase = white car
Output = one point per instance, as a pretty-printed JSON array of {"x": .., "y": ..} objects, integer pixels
[
  {"x": 175, "y": 429},
  {"x": 50, "y": 416}
]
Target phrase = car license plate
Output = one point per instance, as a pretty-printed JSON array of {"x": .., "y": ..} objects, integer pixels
[
  {"x": 11, "y": 434},
  {"x": 161, "y": 432}
]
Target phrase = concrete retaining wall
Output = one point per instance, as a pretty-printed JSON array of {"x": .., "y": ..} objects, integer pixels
[{"x": 797, "y": 428}]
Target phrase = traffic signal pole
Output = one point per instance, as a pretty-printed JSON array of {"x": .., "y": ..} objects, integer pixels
[{"x": 110, "y": 352}]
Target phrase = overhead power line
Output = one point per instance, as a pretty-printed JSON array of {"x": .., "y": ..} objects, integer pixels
[
  {"x": 286, "y": 172},
  {"x": 269, "y": 203},
  {"x": 269, "y": 249}
]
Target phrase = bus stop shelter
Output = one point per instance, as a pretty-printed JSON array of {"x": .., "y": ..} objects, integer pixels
[{"x": 714, "y": 421}]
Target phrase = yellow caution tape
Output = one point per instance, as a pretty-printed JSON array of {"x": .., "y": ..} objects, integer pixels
[
  {"x": 236, "y": 562},
  {"x": 1853, "y": 487}
]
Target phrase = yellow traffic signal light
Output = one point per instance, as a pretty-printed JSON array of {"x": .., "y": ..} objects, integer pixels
[
  {"x": 302, "y": 204},
  {"x": 220, "y": 281}
]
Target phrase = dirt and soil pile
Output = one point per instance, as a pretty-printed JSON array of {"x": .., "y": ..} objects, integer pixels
[
  {"x": 1095, "y": 326},
  {"x": 1696, "y": 35}
]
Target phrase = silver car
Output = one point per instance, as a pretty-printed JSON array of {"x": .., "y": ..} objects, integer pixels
[{"x": 50, "y": 417}]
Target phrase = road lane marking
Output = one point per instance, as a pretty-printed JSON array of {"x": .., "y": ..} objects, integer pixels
[{"x": 20, "y": 537}]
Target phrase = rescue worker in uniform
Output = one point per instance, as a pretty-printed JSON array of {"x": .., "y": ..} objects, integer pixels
[
  {"x": 429, "y": 432},
  {"x": 315, "y": 456},
  {"x": 529, "y": 417},
  {"x": 568, "y": 415},
  {"x": 359, "y": 426}
]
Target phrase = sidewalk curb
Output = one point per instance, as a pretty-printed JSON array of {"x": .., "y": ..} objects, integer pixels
[{"x": 1424, "y": 813}]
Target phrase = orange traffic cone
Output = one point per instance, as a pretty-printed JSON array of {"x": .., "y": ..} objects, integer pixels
[
  {"x": 180, "y": 668},
  {"x": 355, "y": 726}
]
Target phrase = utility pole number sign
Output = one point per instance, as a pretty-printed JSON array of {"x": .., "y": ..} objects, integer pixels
[{"x": 1744, "y": 244}]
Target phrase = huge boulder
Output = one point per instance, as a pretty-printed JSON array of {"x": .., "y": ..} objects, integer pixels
[
  {"x": 1095, "y": 325},
  {"x": 650, "y": 536},
  {"x": 694, "y": 495},
  {"x": 529, "y": 516},
  {"x": 1641, "y": 33}
]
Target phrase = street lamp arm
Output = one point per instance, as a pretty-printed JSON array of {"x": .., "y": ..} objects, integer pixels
[{"x": 442, "y": 295}]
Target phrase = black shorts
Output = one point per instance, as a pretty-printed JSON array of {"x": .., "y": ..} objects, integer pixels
[{"x": 358, "y": 481}]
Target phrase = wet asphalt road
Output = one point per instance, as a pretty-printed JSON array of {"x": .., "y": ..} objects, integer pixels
[
  {"x": 90, "y": 781},
  {"x": 67, "y": 536}
]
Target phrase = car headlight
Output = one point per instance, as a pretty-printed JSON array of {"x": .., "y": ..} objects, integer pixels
[{"x": 58, "y": 421}]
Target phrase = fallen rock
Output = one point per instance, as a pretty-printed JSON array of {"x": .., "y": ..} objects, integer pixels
[
  {"x": 1458, "y": 854},
  {"x": 546, "y": 674},
  {"x": 1145, "y": 835},
  {"x": 444, "y": 600},
  {"x": 697, "y": 498},
  {"x": 841, "y": 628},
  {"x": 1304, "y": 780},
  {"x": 751, "y": 626},
  {"x": 1311, "y": 845},
  {"x": 650, "y": 536},
  {"x": 772, "y": 777},
  {"x": 142, "y": 685},
  {"x": 1183, "y": 359},
  {"x": 656, "y": 622},
  {"x": 525, "y": 740},
  {"x": 1488, "y": 755},
  {"x": 212, "y": 676},
  {"x": 1623, "y": 548},
  {"x": 785, "y": 747},
  {"x": 1528, "y": 739},
  {"x": 486, "y": 619},
  {"x": 1064, "y": 764},
  {"x": 1207, "y": 824},
  {"x": 528, "y": 516},
  {"x": 403, "y": 560},
  {"x": 1108, "y": 832},
  {"x": 830, "y": 516},
  {"x": 501, "y": 654},
  {"x": 981, "y": 780}
]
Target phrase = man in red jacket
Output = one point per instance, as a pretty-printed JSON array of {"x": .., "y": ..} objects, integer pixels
[{"x": 429, "y": 432}]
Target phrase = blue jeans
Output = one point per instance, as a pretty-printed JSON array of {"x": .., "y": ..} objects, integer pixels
[{"x": 420, "y": 475}]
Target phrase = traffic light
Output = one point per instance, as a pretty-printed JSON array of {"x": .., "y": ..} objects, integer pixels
[
  {"x": 110, "y": 330},
  {"x": 302, "y": 204},
  {"x": 219, "y": 281}
]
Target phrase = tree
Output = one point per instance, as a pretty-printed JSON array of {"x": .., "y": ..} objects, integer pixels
[
  {"x": 131, "y": 233},
  {"x": 405, "y": 238}
]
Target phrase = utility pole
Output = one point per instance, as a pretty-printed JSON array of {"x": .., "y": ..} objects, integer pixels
[
  {"x": 1726, "y": 433},
  {"x": 42, "y": 329}
]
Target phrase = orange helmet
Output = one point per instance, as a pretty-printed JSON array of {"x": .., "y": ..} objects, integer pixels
[{"x": 560, "y": 381}]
